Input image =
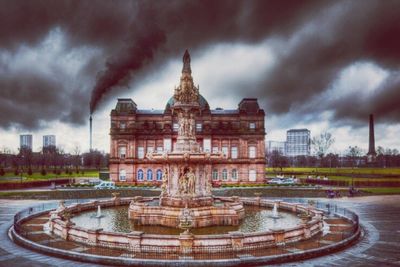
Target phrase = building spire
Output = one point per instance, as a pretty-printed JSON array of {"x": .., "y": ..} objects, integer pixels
[{"x": 186, "y": 63}]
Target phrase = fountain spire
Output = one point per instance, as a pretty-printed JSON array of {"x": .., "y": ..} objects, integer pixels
[{"x": 186, "y": 63}]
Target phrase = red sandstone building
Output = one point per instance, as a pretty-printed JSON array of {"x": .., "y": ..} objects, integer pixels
[{"x": 238, "y": 133}]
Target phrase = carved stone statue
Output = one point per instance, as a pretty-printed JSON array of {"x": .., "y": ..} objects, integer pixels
[
  {"x": 191, "y": 123},
  {"x": 164, "y": 185},
  {"x": 182, "y": 181},
  {"x": 191, "y": 184},
  {"x": 208, "y": 186}
]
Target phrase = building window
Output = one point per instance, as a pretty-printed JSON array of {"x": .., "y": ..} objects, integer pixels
[
  {"x": 167, "y": 144},
  {"x": 159, "y": 175},
  {"x": 199, "y": 127},
  {"x": 252, "y": 175},
  {"x": 175, "y": 127},
  {"x": 252, "y": 125},
  {"x": 159, "y": 149},
  {"x": 234, "y": 175},
  {"x": 122, "y": 152},
  {"x": 225, "y": 150},
  {"x": 215, "y": 149},
  {"x": 140, "y": 175},
  {"x": 234, "y": 152},
  {"x": 215, "y": 174},
  {"x": 122, "y": 125},
  {"x": 140, "y": 152},
  {"x": 207, "y": 145},
  {"x": 122, "y": 175},
  {"x": 224, "y": 174},
  {"x": 252, "y": 152},
  {"x": 149, "y": 175},
  {"x": 150, "y": 149}
]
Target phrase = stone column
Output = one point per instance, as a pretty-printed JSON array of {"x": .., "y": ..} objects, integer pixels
[
  {"x": 306, "y": 231},
  {"x": 135, "y": 239},
  {"x": 237, "y": 240},
  {"x": 186, "y": 241},
  {"x": 116, "y": 199},
  {"x": 279, "y": 235},
  {"x": 93, "y": 235},
  {"x": 51, "y": 224},
  {"x": 65, "y": 229}
]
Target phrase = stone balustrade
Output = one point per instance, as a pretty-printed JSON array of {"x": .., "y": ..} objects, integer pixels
[{"x": 186, "y": 242}]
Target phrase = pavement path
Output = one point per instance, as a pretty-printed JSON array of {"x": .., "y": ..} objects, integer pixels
[{"x": 379, "y": 215}]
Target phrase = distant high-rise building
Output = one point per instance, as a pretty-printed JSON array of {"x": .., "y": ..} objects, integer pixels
[
  {"x": 298, "y": 142},
  {"x": 25, "y": 141},
  {"x": 278, "y": 146},
  {"x": 49, "y": 140}
]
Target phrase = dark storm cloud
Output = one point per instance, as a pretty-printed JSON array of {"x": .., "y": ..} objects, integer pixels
[
  {"x": 383, "y": 102},
  {"x": 348, "y": 33},
  {"x": 31, "y": 99},
  {"x": 135, "y": 37}
]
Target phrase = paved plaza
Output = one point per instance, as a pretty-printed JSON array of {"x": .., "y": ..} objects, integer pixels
[{"x": 379, "y": 215}]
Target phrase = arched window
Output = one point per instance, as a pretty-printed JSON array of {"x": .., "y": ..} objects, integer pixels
[
  {"x": 224, "y": 174},
  {"x": 122, "y": 175},
  {"x": 122, "y": 152},
  {"x": 215, "y": 174},
  {"x": 140, "y": 175},
  {"x": 234, "y": 175},
  {"x": 252, "y": 152},
  {"x": 149, "y": 175},
  {"x": 252, "y": 175},
  {"x": 159, "y": 175}
]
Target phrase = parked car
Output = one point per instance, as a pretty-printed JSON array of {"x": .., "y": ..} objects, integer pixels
[
  {"x": 105, "y": 185},
  {"x": 275, "y": 181},
  {"x": 283, "y": 181}
]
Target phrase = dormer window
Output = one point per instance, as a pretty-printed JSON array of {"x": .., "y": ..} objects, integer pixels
[
  {"x": 252, "y": 125},
  {"x": 122, "y": 125},
  {"x": 175, "y": 127}
]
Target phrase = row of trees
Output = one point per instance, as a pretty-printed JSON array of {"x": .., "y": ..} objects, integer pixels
[
  {"x": 51, "y": 159},
  {"x": 353, "y": 157}
]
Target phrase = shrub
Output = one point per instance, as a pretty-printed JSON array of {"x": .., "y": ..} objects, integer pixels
[
  {"x": 2, "y": 172},
  {"x": 43, "y": 172},
  {"x": 30, "y": 172},
  {"x": 16, "y": 172}
]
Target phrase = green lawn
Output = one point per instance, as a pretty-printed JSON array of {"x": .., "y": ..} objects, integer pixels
[
  {"x": 392, "y": 171},
  {"x": 36, "y": 176},
  {"x": 382, "y": 190}
]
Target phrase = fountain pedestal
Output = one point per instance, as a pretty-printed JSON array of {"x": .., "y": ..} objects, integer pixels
[{"x": 187, "y": 173}]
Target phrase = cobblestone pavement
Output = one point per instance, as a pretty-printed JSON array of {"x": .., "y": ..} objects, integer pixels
[{"x": 379, "y": 215}]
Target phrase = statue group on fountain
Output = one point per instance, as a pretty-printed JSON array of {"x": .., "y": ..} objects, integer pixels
[
  {"x": 186, "y": 92},
  {"x": 186, "y": 125},
  {"x": 187, "y": 181}
]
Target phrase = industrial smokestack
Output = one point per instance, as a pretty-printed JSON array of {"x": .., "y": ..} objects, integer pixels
[
  {"x": 371, "y": 148},
  {"x": 90, "y": 137}
]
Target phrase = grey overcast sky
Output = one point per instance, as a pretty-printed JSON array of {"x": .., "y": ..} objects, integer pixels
[{"x": 322, "y": 65}]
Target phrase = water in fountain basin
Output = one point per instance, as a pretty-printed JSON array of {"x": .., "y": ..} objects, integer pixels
[
  {"x": 275, "y": 213},
  {"x": 98, "y": 215},
  {"x": 116, "y": 219}
]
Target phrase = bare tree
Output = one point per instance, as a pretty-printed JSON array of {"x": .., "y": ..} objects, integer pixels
[
  {"x": 354, "y": 153},
  {"x": 322, "y": 143},
  {"x": 76, "y": 152}
]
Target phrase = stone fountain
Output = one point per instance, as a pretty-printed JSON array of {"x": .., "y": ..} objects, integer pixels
[{"x": 186, "y": 186}]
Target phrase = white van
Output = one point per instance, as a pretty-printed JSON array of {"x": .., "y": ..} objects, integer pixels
[{"x": 105, "y": 185}]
